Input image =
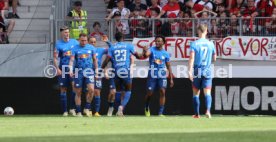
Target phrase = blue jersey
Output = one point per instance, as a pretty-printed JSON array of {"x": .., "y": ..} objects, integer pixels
[
  {"x": 158, "y": 60},
  {"x": 64, "y": 50},
  {"x": 204, "y": 51},
  {"x": 120, "y": 54},
  {"x": 84, "y": 56},
  {"x": 99, "y": 53}
]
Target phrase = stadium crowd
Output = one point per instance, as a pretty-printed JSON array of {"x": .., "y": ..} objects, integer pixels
[
  {"x": 221, "y": 16},
  {"x": 6, "y": 22}
]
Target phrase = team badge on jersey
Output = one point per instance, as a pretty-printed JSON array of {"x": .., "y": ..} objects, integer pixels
[
  {"x": 158, "y": 61},
  {"x": 82, "y": 56},
  {"x": 67, "y": 53}
]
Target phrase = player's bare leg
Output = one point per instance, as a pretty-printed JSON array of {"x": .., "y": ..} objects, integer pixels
[
  {"x": 208, "y": 101},
  {"x": 89, "y": 97},
  {"x": 147, "y": 101},
  {"x": 111, "y": 98},
  {"x": 196, "y": 102},
  {"x": 124, "y": 98}
]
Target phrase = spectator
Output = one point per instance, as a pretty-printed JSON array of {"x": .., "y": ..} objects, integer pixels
[
  {"x": 223, "y": 24},
  {"x": 218, "y": 2},
  {"x": 154, "y": 12},
  {"x": 251, "y": 10},
  {"x": 111, "y": 5},
  {"x": 124, "y": 12},
  {"x": 137, "y": 5},
  {"x": 4, "y": 6},
  {"x": 174, "y": 25},
  {"x": 234, "y": 24},
  {"x": 213, "y": 32},
  {"x": 230, "y": 4},
  {"x": 194, "y": 7},
  {"x": 208, "y": 4},
  {"x": 271, "y": 25},
  {"x": 205, "y": 16},
  {"x": 3, "y": 33},
  {"x": 79, "y": 25},
  {"x": 167, "y": 27},
  {"x": 220, "y": 8},
  {"x": 186, "y": 24},
  {"x": 236, "y": 10},
  {"x": 154, "y": 5},
  {"x": 97, "y": 31},
  {"x": 171, "y": 7},
  {"x": 163, "y": 2},
  {"x": 264, "y": 10},
  {"x": 14, "y": 4},
  {"x": 250, "y": 13},
  {"x": 7, "y": 25},
  {"x": 119, "y": 25},
  {"x": 137, "y": 24}
]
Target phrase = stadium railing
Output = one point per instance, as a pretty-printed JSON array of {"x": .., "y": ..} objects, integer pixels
[{"x": 170, "y": 27}]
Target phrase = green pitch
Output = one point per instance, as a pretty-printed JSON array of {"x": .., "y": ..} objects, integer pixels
[{"x": 137, "y": 129}]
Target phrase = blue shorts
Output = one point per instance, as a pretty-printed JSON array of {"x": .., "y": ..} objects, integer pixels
[
  {"x": 98, "y": 84},
  {"x": 66, "y": 81},
  {"x": 82, "y": 81},
  {"x": 156, "y": 83},
  {"x": 112, "y": 83},
  {"x": 202, "y": 82},
  {"x": 202, "y": 79},
  {"x": 121, "y": 82},
  {"x": 113, "y": 86}
]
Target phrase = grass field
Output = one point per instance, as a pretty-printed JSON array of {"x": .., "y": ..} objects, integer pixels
[{"x": 137, "y": 129}]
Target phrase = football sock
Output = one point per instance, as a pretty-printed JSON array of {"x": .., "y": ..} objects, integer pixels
[
  {"x": 63, "y": 100},
  {"x": 126, "y": 98},
  {"x": 117, "y": 99},
  {"x": 196, "y": 104},
  {"x": 97, "y": 103},
  {"x": 88, "y": 106},
  {"x": 161, "y": 109},
  {"x": 78, "y": 108},
  {"x": 111, "y": 104},
  {"x": 72, "y": 100},
  {"x": 208, "y": 101}
]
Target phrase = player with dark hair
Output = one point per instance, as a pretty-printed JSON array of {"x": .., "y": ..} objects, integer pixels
[
  {"x": 202, "y": 51},
  {"x": 120, "y": 54},
  {"x": 159, "y": 60},
  {"x": 63, "y": 50}
]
